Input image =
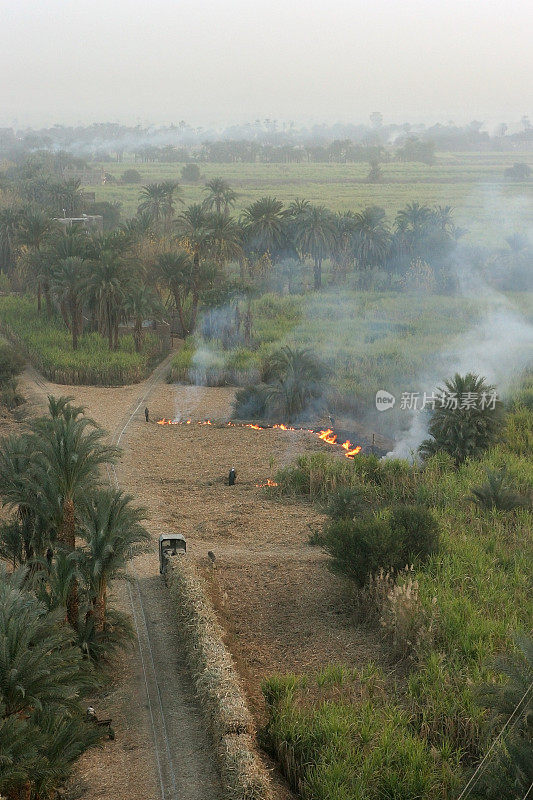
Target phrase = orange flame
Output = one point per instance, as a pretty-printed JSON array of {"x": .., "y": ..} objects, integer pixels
[
  {"x": 327, "y": 436},
  {"x": 268, "y": 483}
]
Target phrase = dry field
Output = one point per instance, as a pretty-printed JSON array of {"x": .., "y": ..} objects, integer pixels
[{"x": 280, "y": 607}]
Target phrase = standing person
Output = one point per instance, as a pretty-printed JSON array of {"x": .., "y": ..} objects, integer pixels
[
  {"x": 232, "y": 477},
  {"x": 147, "y": 414}
]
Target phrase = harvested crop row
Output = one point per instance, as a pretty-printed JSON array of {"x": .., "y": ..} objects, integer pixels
[{"x": 218, "y": 687}]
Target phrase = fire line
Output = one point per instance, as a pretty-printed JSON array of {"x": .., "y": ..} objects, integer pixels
[{"x": 328, "y": 436}]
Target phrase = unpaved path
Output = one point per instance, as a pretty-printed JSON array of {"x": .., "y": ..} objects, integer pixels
[{"x": 162, "y": 749}]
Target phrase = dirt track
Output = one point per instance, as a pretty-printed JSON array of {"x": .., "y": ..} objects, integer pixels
[{"x": 281, "y": 609}]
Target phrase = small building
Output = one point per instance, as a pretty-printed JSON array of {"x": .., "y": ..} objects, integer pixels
[{"x": 92, "y": 223}]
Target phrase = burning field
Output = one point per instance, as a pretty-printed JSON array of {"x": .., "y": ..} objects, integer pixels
[{"x": 328, "y": 436}]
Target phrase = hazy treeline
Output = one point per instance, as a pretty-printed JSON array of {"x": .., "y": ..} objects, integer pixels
[{"x": 263, "y": 140}]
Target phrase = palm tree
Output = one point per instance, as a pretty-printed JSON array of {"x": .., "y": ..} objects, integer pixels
[
  {"x": 67, "y": 455},
  {"x": 106, "y": 287},
  {"x": 509, "y": 775},
  {"x": 40, "y": 665},
  {"x": 226, "y": 235},
  {"x": 68, "y": 278},
  {"x": 175, "y": 271},
  {"x": 466, "y": 421},
  {"x": 264, "y": 227},
  {"x": 497, "y": 492},
  {"x": 35, "y": 231},
  {"x": 343, "y": 251},
  {"x": 194, "y": 231},
  {"x": 113, "y": 531},
  {"x": 66, "y": 197},
  {"x": 297, "y": 207},
  {"x": 315, "y": 235},
  {"x": 140, "y": 303},
  {"x": 292, "y": 380},
  {"x": 220, "y": 196},
  {"x": 371, "y": 238},
  {"x": 413, "y": 222},
  {"x": 443, "y": 216},
  {"x": 42, "y": 678},
  {"x": 9, "y": 229},
  {"x": 158, "y": 200}
]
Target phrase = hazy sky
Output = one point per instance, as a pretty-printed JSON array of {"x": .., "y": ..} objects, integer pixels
[{"x": 213, "y": 61}]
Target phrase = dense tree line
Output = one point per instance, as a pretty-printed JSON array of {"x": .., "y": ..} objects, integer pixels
[
  {"x": 169, "y": 261},
  {"x": 67, "y": 537}
]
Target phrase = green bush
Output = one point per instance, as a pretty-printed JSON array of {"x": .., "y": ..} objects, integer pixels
[
  {"x": 417, "y": 532},
  {"x": 345, "y": 503},
  {"x": 359, "y": 548}
]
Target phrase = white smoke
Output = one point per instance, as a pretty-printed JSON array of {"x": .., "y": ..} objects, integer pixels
[{"x": 499, "y": 348}]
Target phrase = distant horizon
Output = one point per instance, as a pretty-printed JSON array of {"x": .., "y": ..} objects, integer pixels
[
  {"x": 216, "y": 63},
  {"x": 221, "y": 125}
]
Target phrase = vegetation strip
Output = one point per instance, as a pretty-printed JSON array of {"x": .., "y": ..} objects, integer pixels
[
  {"x": 47, "y": 345},
  {"x": 218, "y": 686}
]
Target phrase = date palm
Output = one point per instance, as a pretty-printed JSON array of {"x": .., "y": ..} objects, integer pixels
[
  {"x": 220, "y": 197},
  {"x": 509, "y": 775},
  {"x": 412, "y": 222},
  {"x": 265, "y": 227},
  {"x": 68, "y": 452},
  {"x": 113, "y": 532},
  {"x": 106, "y": 288},
  {"x": 140, "y": 303},
  {"x": 158, "y": 200},
  {"x": 315, "y": 235},
  {"x": 371, "y": 239},
  {"x": 42, "y": 679},
  {"x": 68, "y": 280},
  {"x": 226, "y": 235},
  {"x": 35, "y": 230},
  {"x": 292, "y": 380},
  {"x": 9, "y": 229},
  {"x": 464, "y": 431}
]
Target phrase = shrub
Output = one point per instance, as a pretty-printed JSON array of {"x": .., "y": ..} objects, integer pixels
[
  {"x": 416, "y": 531},
  {"x": 359, "y": 548},
  {"x": 131, "y": 176},
  {"x": 345, "y": 503},
  {"x": 497, "y": 492},
  {"x": 190, "y": 173}
]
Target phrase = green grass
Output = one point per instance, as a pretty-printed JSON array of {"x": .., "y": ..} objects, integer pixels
[
  {"x": 338, "y": 738},
  {"x": 48, "y": 344},
  {"x": 489, "y": 206},
  {"x": 463, "y": 609}
]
